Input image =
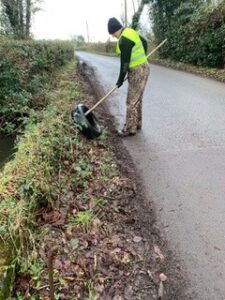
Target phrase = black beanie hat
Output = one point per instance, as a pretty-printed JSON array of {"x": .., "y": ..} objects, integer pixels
[{"x": 114, "y": 25}]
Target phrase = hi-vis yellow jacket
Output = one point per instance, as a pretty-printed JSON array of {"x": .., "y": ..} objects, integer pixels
[{"x": 138, "y": 56}]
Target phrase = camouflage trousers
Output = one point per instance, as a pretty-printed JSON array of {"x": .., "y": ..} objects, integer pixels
[{"x": 137, "y": 79}]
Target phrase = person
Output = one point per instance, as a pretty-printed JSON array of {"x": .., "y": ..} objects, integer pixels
[{"x": 132, "y": 49}]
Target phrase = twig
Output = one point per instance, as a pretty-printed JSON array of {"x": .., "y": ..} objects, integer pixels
[
  {"x": 51, "y": 255},
  {"x": 46, "y": 286},
  {"x": 59, "y": 182},
  {"x": 160, "y": 291},
  {"x": 95, "y": 262},
  {"x": 72, "y": 150}
]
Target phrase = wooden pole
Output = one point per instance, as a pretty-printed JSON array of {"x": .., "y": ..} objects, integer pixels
[
  {"x": 134, "y": 6},
  {"x": 160, "y": 45},
  {"x": 125, "y": 12},
  {"x": 88, "y": 36},
  {"x": 112, "y": 90}
]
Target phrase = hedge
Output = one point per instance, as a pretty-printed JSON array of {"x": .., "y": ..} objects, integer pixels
[
  {"x": 197, "y": 36},
  {"x": 25, "y": 68}
]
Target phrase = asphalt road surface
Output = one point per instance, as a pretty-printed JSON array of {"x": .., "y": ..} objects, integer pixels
[{"x": 180, "y": 155}]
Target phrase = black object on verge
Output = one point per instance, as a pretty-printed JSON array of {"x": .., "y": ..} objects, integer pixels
[{"x": 88, "y": 125}]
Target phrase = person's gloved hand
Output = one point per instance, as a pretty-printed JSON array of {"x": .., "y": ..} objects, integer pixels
[{"x": 119, "y": 83}]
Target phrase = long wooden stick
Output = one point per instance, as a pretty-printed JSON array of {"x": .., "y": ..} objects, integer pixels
[
  {"x": 51, "y": 255},
  {"x": 153, "y": 51},
  {"x": 112, "y": 90},
  {"x": 100, "y": 101}
]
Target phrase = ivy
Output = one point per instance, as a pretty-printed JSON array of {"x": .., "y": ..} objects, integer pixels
[
  {"x": 26, "y": 67},
  {"x": 195, "y": 30}
]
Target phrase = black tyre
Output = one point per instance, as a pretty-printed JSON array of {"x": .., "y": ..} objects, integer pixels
[{"x": 88, "y": 125}]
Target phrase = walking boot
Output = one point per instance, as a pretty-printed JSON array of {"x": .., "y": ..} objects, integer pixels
[{"x": 124, "y": 133}]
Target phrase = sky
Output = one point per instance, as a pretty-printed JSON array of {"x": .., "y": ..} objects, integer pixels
[{"x": 63, "y": 19}]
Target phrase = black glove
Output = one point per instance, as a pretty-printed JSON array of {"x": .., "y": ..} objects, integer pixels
[{"x": 119, "y": 83}]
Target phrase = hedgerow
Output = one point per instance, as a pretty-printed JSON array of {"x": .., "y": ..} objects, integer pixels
[
  {"x": 196, "y": 34},
  {"x": 26, "y": 67}
]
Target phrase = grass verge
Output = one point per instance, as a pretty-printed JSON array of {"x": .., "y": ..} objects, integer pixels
[
  {"x": 217, "y": 74},
  {"x": 214, "y": 73},
  {"x": 58, "y": 180}
]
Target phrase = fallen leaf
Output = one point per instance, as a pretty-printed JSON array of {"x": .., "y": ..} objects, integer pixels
[
  {"x": 75, "y": 268},
  {"x": 126, "y": 258},
  {"x": 117, "y": 298},
  {"x": 90, "y": 191},
  {"x": 116, "y": 250},
  {"x": 70, "y": 278},
  {"x": 137, "y": 239},
  {"x": 81, "y": 262},
  {"x": 74, "y": 211},
  {"x": 66, "y": 163},
  {"x": 158, "y": 252},
  {"x": 101, "y": 280},
  {"x": 100, "y": 288},
  {"x": 162, "y": 277},
  {"x": 128, "y": 292},
  {"x": 114, "y": 241},
  {"x": 57, "y": 264},
  {"x": 97, "y": 223},
  {"x": 67, "y": 264},
  {"x": 68, "y": 234}
]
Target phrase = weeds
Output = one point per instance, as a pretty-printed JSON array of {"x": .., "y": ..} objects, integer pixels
[
  {"x": 36, "y": 270},
  {"x": 52, "y": 160},
  {"x": 26, "y": 69},
  {"x": 84, "y": 219},
  {"x": 218, "y": 74}
]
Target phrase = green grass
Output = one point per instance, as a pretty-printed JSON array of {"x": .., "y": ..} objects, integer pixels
[
  {"x": 218, "y": 74},
  {"x": 52, "y": 158},
  {"x": 84, "y": 219},
  {"x": 30, "y": 180}
]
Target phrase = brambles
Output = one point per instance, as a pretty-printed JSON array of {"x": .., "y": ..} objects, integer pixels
[{"x": 27, "y": 68}]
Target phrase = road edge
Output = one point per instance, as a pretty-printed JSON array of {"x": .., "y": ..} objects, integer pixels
[{"x": 177, "y": 286}]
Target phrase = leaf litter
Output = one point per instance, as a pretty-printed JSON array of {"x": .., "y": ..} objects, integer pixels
[{"x": 110, "y": 257}]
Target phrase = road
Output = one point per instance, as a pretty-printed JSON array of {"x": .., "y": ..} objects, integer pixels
[{"x": 180, "y": 156}]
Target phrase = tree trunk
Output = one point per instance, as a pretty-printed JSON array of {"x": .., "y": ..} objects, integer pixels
[
  {"x": 28, "y": 18},
  {"x": 11, "y": 10},
  {"x": 21, "y": 19},
  {"x": 137, "y": 15},
  {"x": 19, "y": 14}
]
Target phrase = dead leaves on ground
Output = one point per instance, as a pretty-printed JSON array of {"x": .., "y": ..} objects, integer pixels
[{"x": 105, "y": 261}]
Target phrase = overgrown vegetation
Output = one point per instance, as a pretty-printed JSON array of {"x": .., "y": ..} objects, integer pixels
[
  {"x": 30, "y": 181},
  {"x": 100, "y": 47},
  {"x": 214, "y": 73},
  {"x": 26, "y": 68},
  {"x": 195, "y": 31},
  {"x": 53, "y": 168}
]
